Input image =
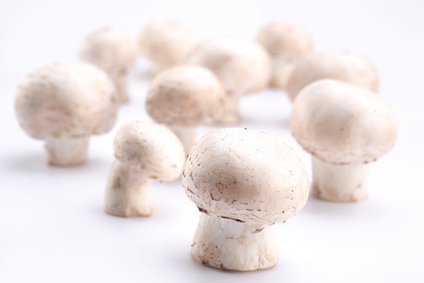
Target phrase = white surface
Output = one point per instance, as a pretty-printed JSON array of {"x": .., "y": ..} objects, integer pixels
[{"x": 53, "y": 229}]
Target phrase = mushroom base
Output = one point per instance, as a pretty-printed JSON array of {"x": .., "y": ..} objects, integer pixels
[
  {"x": 228, "y": 244},
  {"x": 342, "y": 183},
  {"x": 187, "y": 135},
  {"x": 127, "y": 192},
  {"x": 230, "y": 113},
  {"x": 67, "y": 152}
]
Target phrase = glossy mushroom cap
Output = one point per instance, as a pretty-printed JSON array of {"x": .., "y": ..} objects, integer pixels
[
  {"x": 242, "y": 66},
  {"x": 245, "y": 175},
  {"x": 166, "y": 43},
  {"x": 112, "y": 49},
  {"x": 285, "y": 40},
  {"x": 150, "y": 147},
  {"x": 342, "y": 123},
  {"x": 66, "y": 100},
  {"x": 186, "y": 96},
  {"x": 344, "y": 66}
]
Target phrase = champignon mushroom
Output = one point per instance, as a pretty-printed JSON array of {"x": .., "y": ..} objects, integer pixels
[
  {"x": 339, "y": 65},
  {"x": 115, "y": 51},
  {"x": 185, "y": 97},
  {"x": 344, "y": 127},
  {"x": 242, "y": 66},
  {"x": 166, "y": 44},
  {"x": 144, "y": 151},
  {"x": 243, "y": 181},
  {"x": 63, "y": 104},
  {"x": 286, "y": 43}
]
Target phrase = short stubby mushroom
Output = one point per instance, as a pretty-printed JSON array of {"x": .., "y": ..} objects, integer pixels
[
  {"x": 64, "y": 104},
  {"x": 242, "y": 66},
  {"x": 183, "y": 98},
  {"x": 144, "y": 151},
  {"x": 344, "y": 127},
  {"x": 166, "y": 44},
  {"x": 243, "y": 182},
  {"x": 339, "y": 65},
  {"x": 286, "y": 43},
  {"x": 115, "y": 51}
]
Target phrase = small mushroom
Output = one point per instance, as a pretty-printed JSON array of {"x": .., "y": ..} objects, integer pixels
[
  {"x": 243, "y": 182},
  {"x": 286, "y": 43},
  {"x": 242, "y": 66},
  {"x": 115, "y": 51},
  {"x": 339, "y": 65},
  {"x": 166, "y": 44},
  {"x": 183, "y": 98},
  {"x": 344, "y": 127},
  {"x": 64, "y": 104},
  {"x": 144, "y": 151}
]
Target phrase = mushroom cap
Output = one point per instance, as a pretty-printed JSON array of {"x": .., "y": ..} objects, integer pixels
[
  {"x": 285, "y": 40},
  {"x": 166, "y": 43},
  {"x": 245, "y": 175},
  {"x": 185, "y": 95},
  {"x": 150, "y": 147},
  {"x": 66, "y": 100},
  {"x": 112, "y": 49},
  {"x": 242, "y": 66},
  {"x": 339, "y": 65},
  {"x": 342, "y": 123}
]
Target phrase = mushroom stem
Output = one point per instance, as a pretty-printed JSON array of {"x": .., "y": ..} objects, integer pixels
[
  {"x": 230, "y": 113},
  {"x": 344, "y": 183},
  {"x": 67, "y": 151},
  {"x": 127, "y": 191},
  {"x": 228, "y": 244},
  {"x": 187, "y": 135},
  {"x": 120, "y": 82}
]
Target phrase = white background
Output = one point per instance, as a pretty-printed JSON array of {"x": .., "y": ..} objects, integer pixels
[{"x": 53, "y": 228}]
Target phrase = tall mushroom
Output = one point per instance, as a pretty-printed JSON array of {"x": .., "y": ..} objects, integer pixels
[
  {"x": 115, "y": 51},
  {"x": 344, "y": 127},
  {"x": 185, "y": 97},
  {"x": 64, "y": 104},
  {"x": 286, "y": 43},
  {"x": 166, "y": 44},
  {"x": 339, "y": 65},
  {"x": 243, "y": 182},
  {"x": 242, "y": 66},
  {"x": 144, "y": 151}
]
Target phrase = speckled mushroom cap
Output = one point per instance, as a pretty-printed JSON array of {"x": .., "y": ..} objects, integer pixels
[
  {"x": 243, "y": 66},
  {"x": 150, "y": 147},
  {"x": 185, "y": 95},
  {"x": 166, "y": 43},
  {"x": 286, "y": 40},
  {"x": 345, "y": 66},
  {"x": 112, "y": 49},
  {"x": 66, "y": 100},
  {"x": 342, "y": 123},
  {"x": 245, "y": 175}
]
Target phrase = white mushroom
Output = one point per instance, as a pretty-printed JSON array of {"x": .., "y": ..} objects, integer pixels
[
  {"x": 115, "y": 51},
  {"x": 243, "y": 181},
  {"x": 185, "y": 97},
  {"x": 63, "y": 104},
  {"x": 286, "y": 43},
  {"x": 339, "y": 65},
  {"x": 242, "y": 66},
  {"x": 144, "y": 151},
  {"x": 344, "y": 127},
  {"x": 166, "y": 44}
]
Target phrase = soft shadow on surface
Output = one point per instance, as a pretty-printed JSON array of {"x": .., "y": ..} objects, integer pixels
[
  {"x": 37, "y": 163},
  {"x": 318, "y": 206}
]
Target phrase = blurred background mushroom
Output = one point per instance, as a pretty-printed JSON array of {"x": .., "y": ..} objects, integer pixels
[
  {"x": 64, "y": 104},
  {"x": 115, "y": 51}
]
